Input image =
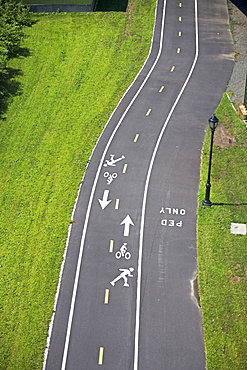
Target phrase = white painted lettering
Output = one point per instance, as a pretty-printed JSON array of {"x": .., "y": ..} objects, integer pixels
[
  {"x": 179, "y": 224},
  {"x": 163, "y": 222},
  {"x": 175, "y": 211},
  {"x": 171, "y": 223},
  {"x": 169, "y": 210},
  {"x": 182, "y": 212},
  {"x": 162, "y": 210}
]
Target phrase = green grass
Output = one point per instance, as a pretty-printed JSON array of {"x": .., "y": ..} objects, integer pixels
[
  {"x": 222, "y": 255},
  {"x": 79, "y": 67}
]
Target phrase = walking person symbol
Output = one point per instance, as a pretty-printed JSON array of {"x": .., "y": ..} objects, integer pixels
[{"x": 124, "y": 275}]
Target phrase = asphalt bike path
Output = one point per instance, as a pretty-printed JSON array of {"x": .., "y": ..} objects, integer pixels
[{"x": 126, "y": 297}]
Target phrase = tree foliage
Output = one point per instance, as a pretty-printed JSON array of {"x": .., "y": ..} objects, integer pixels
[{"x": 14, "y": 16}]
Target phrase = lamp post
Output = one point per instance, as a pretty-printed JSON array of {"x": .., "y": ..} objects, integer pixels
[{"x": 213, "y": 121}]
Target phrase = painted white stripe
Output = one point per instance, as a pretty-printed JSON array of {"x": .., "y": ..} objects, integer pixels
[
  {"x": 142, "y": 225},
  {"x": 75, "y": 287}
]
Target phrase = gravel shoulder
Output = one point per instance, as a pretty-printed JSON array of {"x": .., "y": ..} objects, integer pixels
[{"x": 238, "y": 22}]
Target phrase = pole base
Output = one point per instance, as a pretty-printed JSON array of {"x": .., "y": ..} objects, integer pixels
[{"x": 206, "y": 202}]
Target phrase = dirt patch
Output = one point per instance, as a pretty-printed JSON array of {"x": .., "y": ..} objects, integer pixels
[
  {"x": 235, "y": 279},
  {"x": 223, "y": 138}
]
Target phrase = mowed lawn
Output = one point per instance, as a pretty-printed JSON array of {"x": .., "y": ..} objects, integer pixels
[
  {"x": 75, "y": 69},
  {"x": 223, "y": 255}
]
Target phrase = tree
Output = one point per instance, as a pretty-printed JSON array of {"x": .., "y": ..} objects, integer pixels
[{"x": 14, "y": 16}]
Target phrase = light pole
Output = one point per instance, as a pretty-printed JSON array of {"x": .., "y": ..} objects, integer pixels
[{"x": 213, "y": 121}]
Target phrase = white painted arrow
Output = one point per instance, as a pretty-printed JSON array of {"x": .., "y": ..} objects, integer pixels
[
  {"x": 104, "y": 201},
  {"x": 127, "y": 222}
]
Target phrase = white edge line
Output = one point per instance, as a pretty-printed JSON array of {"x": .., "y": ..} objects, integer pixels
[
  {"x": 96, "y": 179},
  {"x": 139, "y": 273}
]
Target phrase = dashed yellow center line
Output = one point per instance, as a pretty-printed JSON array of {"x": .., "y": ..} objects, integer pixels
[
  {"x": 107, "y": 293},
  {"x": 125, "y": 168},
  {"x": 180, "y": 5},
  {"x": 173, "y": 68},
  {"x": 117, "y": 203},
  {"x": 101, "y": 355},
  {"x": 136, "y": 138},
  {"x": 148, "y": 112},
  {"x": 161, "y": 89},
  {"x": 111, "y": 247},
  {"x": 178, "y": 50},
  {"x": 179, "y": 33},
  {"x": 180, "y": 19}
]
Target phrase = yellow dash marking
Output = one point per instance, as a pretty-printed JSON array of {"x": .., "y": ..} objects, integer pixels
[
  {"x": 125, "y": 167},
  {"x": 180, "y": 5},
  {"x": 178, "y": 50},
  {"x": 179, "y": 33},
  {"x": 148, "y": 112},
  {"x": 180, "y": 19},
  {"x": 111, "y": 246},
  {"x": 161, "y": 89},
  {"x": 107, "y": 292},
  {"x": 117, "y": 203},
  {"x": 136, "y": 138},
  {"x": 101, "y": 355},
  {"x": 172, "y": 69}
]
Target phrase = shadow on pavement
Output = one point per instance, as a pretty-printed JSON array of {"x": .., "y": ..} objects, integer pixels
[{"x": 241, "y": 4}]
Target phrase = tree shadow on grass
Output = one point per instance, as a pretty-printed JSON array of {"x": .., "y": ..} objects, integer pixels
[
  {"x": 112, "y": 5},
  {"x": 9, "y": 87}
]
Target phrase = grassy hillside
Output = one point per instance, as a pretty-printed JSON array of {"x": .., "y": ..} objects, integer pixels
[
  {"x": 222, "y": 255},
  {"x": 70, "y": 76}
]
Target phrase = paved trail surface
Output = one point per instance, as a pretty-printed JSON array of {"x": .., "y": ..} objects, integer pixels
[{"x": 126, "y": 298}]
